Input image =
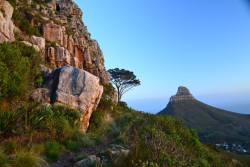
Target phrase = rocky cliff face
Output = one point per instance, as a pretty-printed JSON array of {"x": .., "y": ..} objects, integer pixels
[
  {"x": 66, "y": 40},
  {"x": 75, "y": 72},
  {"x": 6, "y": 24},
  {"x": 183, "y": 94}
]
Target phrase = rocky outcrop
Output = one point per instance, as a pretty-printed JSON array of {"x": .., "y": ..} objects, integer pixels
[
  {"x": 72, "y": 87},
  {"x": 31, "y": 45},
  {"x": 6, "y": 24},
  {"x": 64, "y": 37},
  {"x": 91, "y": 160},
  {"x": 58, "y": 56},
  {"x": 183, "y": 94},
  {"x": 76, "y": 50},
  {"x": 113, "y": 155},
  {"x": 39, "y": 42},
  {"x": 57, "y": 31},
  {"x": 41, "y": 95},
  {"x": 117, "y": 153},
  {"x": 69, "y": 32}
]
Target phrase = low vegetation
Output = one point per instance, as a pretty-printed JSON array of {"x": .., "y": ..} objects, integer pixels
[
  {"x": 157, "y": 141},
  {"x": 19, "y": 70},
  {"x": 33, "y": 134}
]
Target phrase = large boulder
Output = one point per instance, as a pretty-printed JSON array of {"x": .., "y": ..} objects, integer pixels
[
  {"x": 73, "y": 87},
  {"x": 6, "y": 24}
]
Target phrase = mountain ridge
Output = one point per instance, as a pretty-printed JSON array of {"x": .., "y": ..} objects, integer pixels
[{"x": 213, "y": 125}]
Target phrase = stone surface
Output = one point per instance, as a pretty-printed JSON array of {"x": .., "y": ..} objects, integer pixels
[
  {"x": 71, "y": 34},
  {"x": 117, "y": 153},
  {"x": 58, "y": 56},
  {"x": 81, "y": 53},
  {"x": 91, "y": 160},
  {"x": 6, "y": 24},
  {"x": 41, "y": 95},
  {"x": 53, "y": 33},
  {"x": 183, "y": 94},
  {"x": 39, "y": 41},
  {"x": 31, "y": 45},
  {"x": 73, "y": 87},
  {"x": 113, "y": 96}
]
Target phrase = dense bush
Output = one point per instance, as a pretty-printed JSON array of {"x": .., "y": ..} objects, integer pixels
[
  {"x": 20, "y": 158},
  {"x": 52, "y": 150},
  {"x": 24, "y": 158},
  {"x": 35, "y": 130},
  {"x": 3, "y": 159},
  {"x": 55, "y": 122},
  {"x": 158, "y": 141},
  {"x": 18, "y": 69}
]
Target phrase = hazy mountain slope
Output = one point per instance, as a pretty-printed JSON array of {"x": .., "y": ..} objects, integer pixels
[{"x": 213, "y": 125}]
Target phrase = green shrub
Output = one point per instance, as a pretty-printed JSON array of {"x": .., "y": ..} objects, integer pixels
[
  {"x": 3, "y": 159},
  {"x": 97, "y": 120},
  {"x": 73, "y": 145},
  {"x": 87, "y": 141},
  {"x": 160, "y": 141},
  {"x": 27, "y": 159},
  {"x": 8, "y": 120},
  {"x": 18, "y": 69},
  {"x": 37, "y": 149},
  {"x": 21, "y": 21},
  {"x": 10, "y": 146},
  {"x": 52, "y": 150}
]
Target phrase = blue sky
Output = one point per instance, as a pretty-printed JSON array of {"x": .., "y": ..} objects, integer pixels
[{"x": 201, "y": 44}]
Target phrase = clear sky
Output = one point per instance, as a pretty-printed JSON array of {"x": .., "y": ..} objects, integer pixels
[{"x": 201, "y": 44}]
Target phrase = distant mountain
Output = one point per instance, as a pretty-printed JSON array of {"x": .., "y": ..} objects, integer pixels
[{"x": 213, "y": 125}]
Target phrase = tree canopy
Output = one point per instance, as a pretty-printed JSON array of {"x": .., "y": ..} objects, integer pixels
[{"x": 123, "y": 80}]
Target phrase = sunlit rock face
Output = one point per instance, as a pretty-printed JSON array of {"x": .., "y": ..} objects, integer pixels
[
  {"x": 183, "y": 94},
  {"x": 74, "y": 45},
  {"x": 6, "y": 24},
  {"x": 73, "y": 87},
  {"x": 75, "y": 61}
]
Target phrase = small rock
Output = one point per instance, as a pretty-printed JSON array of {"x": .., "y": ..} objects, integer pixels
[
  {"x": 117, "y": 153},
  {"x": 41, "y": 95},
  {"x": 31, "y": 45},
  {"x": 90, "y": 160}
]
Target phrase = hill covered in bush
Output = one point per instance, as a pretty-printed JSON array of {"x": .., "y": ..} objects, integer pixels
[{"x": 43, "y": 39}]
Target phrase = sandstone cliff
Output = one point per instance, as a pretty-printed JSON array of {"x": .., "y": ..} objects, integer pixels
[
  {"x": 75, "y": 72},
  {"x": 6, "y": 24},
  {"x": 183, "y": 94}
]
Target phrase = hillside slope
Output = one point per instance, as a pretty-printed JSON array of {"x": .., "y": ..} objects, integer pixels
[
  {"x": 56, "y": 106},
  {"x": 214, "y": 125}
]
